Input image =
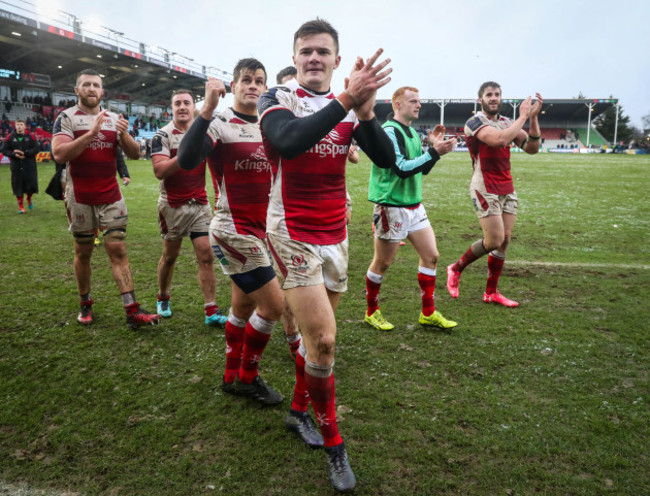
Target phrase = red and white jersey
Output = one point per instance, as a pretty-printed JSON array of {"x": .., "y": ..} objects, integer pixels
[
  {"x": 492, "y": 163},
  {"x": 183, "y": 185},
  {"x": 243, "y": 173},
  {"x": 93, "y": 172},
  {"x": 309, "y": 196}
]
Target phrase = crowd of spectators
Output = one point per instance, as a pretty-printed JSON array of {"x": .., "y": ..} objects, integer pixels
[
  {"x": 67, "y": 103},
  {"x": 144, "y": 124},
  {"x": 39, "y": 118}
]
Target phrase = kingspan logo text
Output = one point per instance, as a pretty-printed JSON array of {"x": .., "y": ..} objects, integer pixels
[
  {"x": 329, "y": 149},
  {"x": 254, "y": 165}
]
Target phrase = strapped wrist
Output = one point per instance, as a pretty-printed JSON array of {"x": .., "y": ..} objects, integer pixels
[
  {"x": 534, "y": 138},
  {"x": 346, "y": 100}
]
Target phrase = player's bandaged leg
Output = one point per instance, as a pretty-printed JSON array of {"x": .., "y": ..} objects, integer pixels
[
  {"x": 84, "y": 238},
  {"x": 115, "y": 235}
]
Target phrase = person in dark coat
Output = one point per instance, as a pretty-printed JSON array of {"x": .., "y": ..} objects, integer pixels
[{"x": 21, "y": 147}]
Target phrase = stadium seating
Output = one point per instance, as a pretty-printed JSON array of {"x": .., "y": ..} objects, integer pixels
[
  {"x": 142, "y": 134},
  {"x": 19, "y": 111},
  {"x": 595, "y": 138}
]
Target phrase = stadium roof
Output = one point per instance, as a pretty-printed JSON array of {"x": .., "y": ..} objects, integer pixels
[
  {"x": 47, "y": 53},
  {"x": 555, "y": 113}
]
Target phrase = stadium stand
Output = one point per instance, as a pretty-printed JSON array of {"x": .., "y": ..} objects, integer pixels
[
  {"x": 140, "y": 77},
  {"x": 595, "y": 138}
]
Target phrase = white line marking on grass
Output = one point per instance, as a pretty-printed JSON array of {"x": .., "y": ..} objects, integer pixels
[
  {"x": 580, "y": 264},
  {"x": 13, "y": 490}
]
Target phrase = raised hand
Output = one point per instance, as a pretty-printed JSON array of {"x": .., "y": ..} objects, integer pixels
[
  {"x": 437, "y": 134},
  {"x": 121, "y": 126},
  {"x": 438, "y": 142},
  {"x": 364, "y": 81},
  {"x": 445, "y": 146},
  {"x": 539, "y": 101},
  {"x": 525, "y": 107},
  {"x": 97, "y": 123},
  {"x": 214, "y": 89}
]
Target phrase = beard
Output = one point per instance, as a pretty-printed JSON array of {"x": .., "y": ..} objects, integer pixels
[
  {"x": 90, "y": 101},
  {"x": 487, "y": 111}
]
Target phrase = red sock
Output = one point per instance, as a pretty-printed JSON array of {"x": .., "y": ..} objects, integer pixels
[
  {"x": 469, "y": 256},
  {"x": 495, "y": 265},
  {"x": 234, "y": 344},
  {"x": 164, "y": 297},
  {"x": 210, "y": 309},
  {"x": 131, "y": 308},
  {"x": 427, "y": 287},
  {"x": 320, "y": 384},
  {"x": 372, "y": 294},
  {"x": 20, "y": 201},
  {"x": 257, "y": 334},
  {"x": 294, "y": 343},
  {"x": 300, "y": 400},
  {"x": 29, "y": 199}
]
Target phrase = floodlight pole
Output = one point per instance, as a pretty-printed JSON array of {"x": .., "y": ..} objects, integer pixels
[
  {"x": 591, "y": 106},
  {"x": 441, "y": 104},
  {"x": 616, "y": 124}
]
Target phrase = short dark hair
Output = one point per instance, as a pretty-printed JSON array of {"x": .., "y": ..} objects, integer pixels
[
  {"x": 287, "y": 71},
  {"x": 181, "y": 91},
  {"x": 317, "y": 26},
  {"x": 87, "y": 72},
  {"x": 487, "y": 84},
  {"x": 247, "y": 65}
]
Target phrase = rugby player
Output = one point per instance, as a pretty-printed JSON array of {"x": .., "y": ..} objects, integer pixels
[
  {"x": 232, "y": 143},
  {"x": 489, "y": 136},
  {"x": 183, "y": 210},
  {"x": 398, "y": 211},
  {"x": 307, "y": 132},
  {"x": 86, "y": 137},
  {"x": 288, "y": 320},
  {"x": 286, "y": 74}
]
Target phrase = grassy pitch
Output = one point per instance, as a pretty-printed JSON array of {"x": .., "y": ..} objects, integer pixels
[{"x": 548, "y": 398}]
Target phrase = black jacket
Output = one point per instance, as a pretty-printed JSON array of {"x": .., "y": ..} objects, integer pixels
[{"x": 24, "y": 178}]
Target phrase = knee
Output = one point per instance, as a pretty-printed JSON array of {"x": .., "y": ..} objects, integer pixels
[
  {"x": 381, "y": 265},
  {"x": 493, "y": 242},
  {"x": 168, "y": 259},
  {"x": 271, "y": 309},
  {"x": 243, "y": 310},
  {"x": 83, "y": 257},
  {"x": 325, "y": 349},
  {"x": 205, "y": 259},
  {"x": 433, "y": 259}
]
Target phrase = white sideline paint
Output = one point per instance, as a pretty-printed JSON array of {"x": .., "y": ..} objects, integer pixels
[
  {"x": 13, "y": 490},
  {"x": 579, "y": 264}
]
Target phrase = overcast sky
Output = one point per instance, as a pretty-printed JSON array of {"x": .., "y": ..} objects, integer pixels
[{"x": 560, "y": 48}]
